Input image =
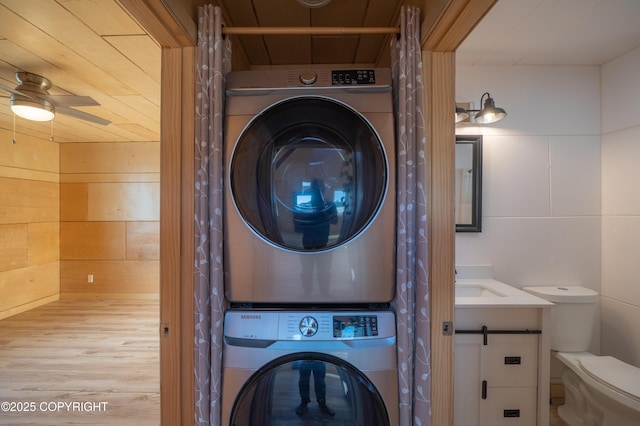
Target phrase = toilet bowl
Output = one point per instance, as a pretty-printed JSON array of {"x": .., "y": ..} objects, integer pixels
[{"x": 599, "y": 390}]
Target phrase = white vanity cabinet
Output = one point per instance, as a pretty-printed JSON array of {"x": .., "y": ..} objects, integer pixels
[
  {"x": 505, "y": 372},
  {"x": 501, "y": 361}
]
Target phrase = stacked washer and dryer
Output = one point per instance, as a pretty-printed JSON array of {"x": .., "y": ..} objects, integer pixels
[{"x": 309, "y": 254}]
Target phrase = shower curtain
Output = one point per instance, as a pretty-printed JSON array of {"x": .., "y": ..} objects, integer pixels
[
  {"x": 213, "y": 63},
  {"x": 412, "y": 291}
]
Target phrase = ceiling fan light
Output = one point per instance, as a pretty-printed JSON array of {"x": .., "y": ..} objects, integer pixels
[
  {"x": 32, "y": 109},
  {"x": 314, "y": 3}
]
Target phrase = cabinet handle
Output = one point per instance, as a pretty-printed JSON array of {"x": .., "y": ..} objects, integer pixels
[
  {"x": 484, "y": 389},
  {"x": 512, "y": 360},
  {"x": 511, "y": 413}
]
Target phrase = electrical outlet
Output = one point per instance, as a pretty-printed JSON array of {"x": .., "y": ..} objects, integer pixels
[{"x": 90, "y": 278}]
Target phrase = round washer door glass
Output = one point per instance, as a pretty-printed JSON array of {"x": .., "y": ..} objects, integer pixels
[
  {"x": 308, "y": 389},
  {"x": 308, "y": 174}
]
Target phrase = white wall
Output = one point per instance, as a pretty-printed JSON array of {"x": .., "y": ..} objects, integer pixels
[
  {"x": 541, "y": 183},
  {"x": 621, "y": 208},
  {"x": 541, "y": 180}
]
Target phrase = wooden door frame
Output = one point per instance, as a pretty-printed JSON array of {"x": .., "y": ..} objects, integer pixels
[
  {"x": 172, "y": 29},
  {"x": 446, "y": 24}
]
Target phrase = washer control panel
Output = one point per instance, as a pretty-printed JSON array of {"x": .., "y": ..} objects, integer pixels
[
  {"x": 352, "y": 77},
  {"x": 310, "y": 325}
]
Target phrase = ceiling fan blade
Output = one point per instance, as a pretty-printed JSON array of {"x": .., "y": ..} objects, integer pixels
[
  {"x": 13, "y": 91},
  {"x": 70, "y": 100},
  {"x": 82, "y": 115}
]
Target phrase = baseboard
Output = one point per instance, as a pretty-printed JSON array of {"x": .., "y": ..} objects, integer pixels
[
  {"x": 28, "y": 306},
  {"x": 557, "y": 390}
]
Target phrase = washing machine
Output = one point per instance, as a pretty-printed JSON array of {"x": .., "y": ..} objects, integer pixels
[
  {"x": 310, "y": 186},
  {"x": 309, "y": 367}
]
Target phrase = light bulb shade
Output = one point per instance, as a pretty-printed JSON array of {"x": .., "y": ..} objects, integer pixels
[
  {"x": 490, "y": 114},
  {"x": 32, "y": 109},
  {"x": 461, "y": 114},
  {"x": 312, "y": 4}
]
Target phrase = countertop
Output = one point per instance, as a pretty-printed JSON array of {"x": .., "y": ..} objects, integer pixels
[{"x": 490, "y": 293}]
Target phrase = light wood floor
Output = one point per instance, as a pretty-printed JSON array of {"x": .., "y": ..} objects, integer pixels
[
  {"x": 81, "y": 362},
  {"x": 556, "y": 401}
]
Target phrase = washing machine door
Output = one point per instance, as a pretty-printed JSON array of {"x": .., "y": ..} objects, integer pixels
[
  {"x": 335, "y": 392},
  {"x": 308, "y": 174}
]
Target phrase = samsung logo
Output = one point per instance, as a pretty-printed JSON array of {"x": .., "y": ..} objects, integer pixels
[{"x": 250, "y": 316}]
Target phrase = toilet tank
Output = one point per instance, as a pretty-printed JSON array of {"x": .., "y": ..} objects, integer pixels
[{"x": 572, "y": 316}]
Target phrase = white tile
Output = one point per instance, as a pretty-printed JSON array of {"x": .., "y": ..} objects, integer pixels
[
  {"x": 515, "y": 176},
  {"x": 620, "y": 258},
  {"x": 472, "y": 248},
  {"x": 536, "y": 251},
  {"x": 620, "y": 160},
  {"x": 620, "y": 331},
  {"x": 575, "y": 175},
  {"x": 621, "y": 92},
  {"x": 539, "y": 100}
]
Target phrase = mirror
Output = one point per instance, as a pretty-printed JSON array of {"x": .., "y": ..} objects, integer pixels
[{"x": 468, "y": 201}]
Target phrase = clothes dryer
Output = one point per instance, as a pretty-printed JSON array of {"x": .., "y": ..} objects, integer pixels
[
  {"x": 310, "y": 190},
  {"x": 309, "y": 368}
]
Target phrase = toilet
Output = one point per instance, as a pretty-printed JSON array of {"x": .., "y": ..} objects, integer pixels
[{"x": 599, "y": 390}]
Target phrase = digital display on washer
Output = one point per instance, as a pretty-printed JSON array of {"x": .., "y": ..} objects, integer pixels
[
  {"x": 355, "y": 326},
  {"x": 353, "y": 77}
]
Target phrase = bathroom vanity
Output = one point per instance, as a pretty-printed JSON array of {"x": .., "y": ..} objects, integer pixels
[{"x": 501, "y": 355}]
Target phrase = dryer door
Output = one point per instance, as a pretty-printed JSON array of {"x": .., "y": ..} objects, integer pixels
[
  {"x": 308, "y": 389},
  {"x": 308, "y": 174}
]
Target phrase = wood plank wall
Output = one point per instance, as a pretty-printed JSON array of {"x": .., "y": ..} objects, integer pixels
[
  {"x": 110, "y": 219},
  {"x": 29, "y": 222}
]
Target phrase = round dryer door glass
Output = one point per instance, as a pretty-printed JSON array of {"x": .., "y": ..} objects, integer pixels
[
  {"x": 308, "y": 389},
  {"x": 308, "y": 174}
]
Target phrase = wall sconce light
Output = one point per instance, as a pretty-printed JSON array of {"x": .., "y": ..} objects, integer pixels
[{"x": 488, "y": 114}]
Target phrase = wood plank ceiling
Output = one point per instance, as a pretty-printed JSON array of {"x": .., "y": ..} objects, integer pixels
[
  {"x": 88, "y": 48},
  {"x": 94, "y": 48},
  {"x": 314, "y": 49}
]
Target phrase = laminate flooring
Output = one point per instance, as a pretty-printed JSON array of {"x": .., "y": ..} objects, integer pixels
[
  {"x": 81, "y": 362},
  {"x": 88, "y": 362}
]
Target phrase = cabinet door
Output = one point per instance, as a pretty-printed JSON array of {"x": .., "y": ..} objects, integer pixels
[
  {"x": 466, "y": 380},
  {"x": 510, "y": 360},
  {"x": 509, "y": 406},
  {"x": 508, "y": 367}
]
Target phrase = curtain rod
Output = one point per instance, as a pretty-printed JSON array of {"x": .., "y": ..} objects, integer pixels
[{"x": 309, "y": 30}]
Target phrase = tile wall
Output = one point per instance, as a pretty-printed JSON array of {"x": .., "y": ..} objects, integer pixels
[
  {"x": 561, "y": 203},
  {"x": 621, "y": 208}
]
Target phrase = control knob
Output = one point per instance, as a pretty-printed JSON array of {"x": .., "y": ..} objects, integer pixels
[
  {"x": 308, "y": 77},
  {"x": 308, "y": 326}
]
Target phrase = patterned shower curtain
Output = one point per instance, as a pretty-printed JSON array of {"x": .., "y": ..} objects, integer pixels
[
  {"x": 213, "y": 63},
  {"x": 412, "y": 291}
]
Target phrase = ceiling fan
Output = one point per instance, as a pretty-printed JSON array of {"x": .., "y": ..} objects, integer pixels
[{"x": 31, "y": 100}]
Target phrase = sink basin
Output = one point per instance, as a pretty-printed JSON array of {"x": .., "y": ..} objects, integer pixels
[
  {"x": 483, "y": 292},
  {"x": 476, "y": 290}
]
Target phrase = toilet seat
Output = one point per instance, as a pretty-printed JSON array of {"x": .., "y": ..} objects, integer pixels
[{"x": 614, "y": 373}]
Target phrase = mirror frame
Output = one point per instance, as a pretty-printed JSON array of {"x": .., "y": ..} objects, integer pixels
[{"x": 476, "y": 207}]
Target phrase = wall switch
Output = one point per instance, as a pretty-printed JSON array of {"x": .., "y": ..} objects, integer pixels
[{"x": 90, "y": 278}]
